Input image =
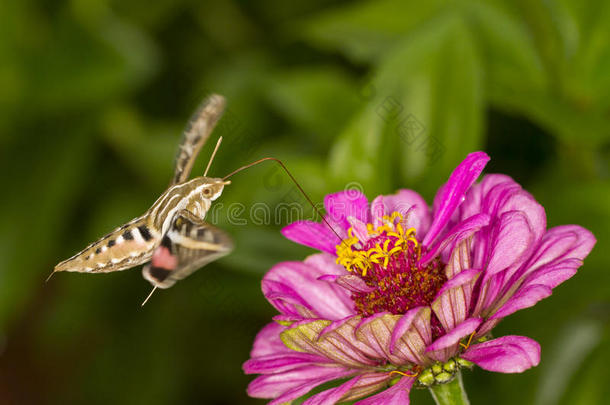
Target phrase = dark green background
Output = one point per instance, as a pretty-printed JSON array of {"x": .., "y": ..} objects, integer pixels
[{"x": 93, "y": 97}]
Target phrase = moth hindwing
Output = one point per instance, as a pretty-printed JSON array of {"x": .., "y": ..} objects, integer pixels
[{"x": 172, "y": 232}]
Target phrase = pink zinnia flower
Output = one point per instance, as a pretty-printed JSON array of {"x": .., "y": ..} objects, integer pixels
[{"x": 410, "y": 293}]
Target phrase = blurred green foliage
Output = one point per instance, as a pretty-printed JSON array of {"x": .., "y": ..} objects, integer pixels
[{"x": 94, "y": 94}]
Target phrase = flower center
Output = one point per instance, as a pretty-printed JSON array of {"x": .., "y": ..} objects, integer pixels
[{"x": 387, "y": 260}]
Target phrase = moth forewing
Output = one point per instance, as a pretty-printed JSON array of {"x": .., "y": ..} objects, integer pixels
[
  {"x": 196, "y": 133},
  {"x": 127, "y": 246}
]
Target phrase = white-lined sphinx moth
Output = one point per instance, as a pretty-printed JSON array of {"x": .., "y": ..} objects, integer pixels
[{"x": 171, "y": 237}]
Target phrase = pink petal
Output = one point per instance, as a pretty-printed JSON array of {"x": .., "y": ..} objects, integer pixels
[
  {"x": 562, "y": 243},
  {"x": 342, "y": 334},
  {"x": 473, "y": 203},
  {"x": 313, "y": 234},
  {"x": 458, "y": 233},
  {"x": 553, "y": 274},
  {"x": 326, "y": 265},
  {"x": 453, "y": 301},
  {"x": 524, "y": 298},
  {"x": 375, "y": 331},
  {"x": 359, "y": 229},
  {"x": 508, "y": 354},
  {"x": 506, "y": 197},
  {"x": 512, "y": 239},
  {"x": 454, "y": 336},
  {"x": 453, "y": 192},
  {"x": 333, "y": 395},
  {"x": 268, "y": 342},
  {"x": 348, "y": 203},
  {"x": 459, "y": 259},
  {"x": 291, "y": 286},
  {"x": 334, "y": 341},
  {"x": 294, "y": 383},
  {"x": 280, "y": 362},
  {"x": 368, "y": 384},
  {"x": 398, "y": 394},
  {"x": 351, "y": 282},
  {"x": 411, "y": 335},
  {"x": 378, "y": 210},
  {"x": 410, "y": 204}
]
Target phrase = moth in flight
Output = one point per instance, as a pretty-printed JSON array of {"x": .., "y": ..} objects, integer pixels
[{"x": 172, "y": 238}]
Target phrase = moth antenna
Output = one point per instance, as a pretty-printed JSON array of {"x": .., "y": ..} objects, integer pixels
[
  {"x": 212, "y": 157},
  {"x": 149, "y": 295},
  {"x": 295, "y": 182}
]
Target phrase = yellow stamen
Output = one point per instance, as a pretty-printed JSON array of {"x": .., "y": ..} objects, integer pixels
[
  {"x": 353, "y": 259},
  {"x": 403, "y": 374},
  {"x": 467, "y": 345}
]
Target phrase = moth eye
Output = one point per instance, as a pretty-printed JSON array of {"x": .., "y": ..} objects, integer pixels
[{"x": 207, "y": 192}]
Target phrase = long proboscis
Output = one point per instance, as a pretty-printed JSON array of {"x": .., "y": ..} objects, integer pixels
[{"x": 295, "y": 182}]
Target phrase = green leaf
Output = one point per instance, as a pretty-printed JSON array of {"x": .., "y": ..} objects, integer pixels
[
  {"x": 590, "y": 382},
  {"x": 319, "y": 99},
  {"x": 565, "y": 360},
  {"x": 365, "y": 31}
]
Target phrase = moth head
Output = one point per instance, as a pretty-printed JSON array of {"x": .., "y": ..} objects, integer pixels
[{"x": 213, "y": 189}]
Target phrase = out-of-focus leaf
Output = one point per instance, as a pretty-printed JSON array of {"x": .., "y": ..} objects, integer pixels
[
  {"x": 147, "y": 147},
  {"x": 565, "y": 360},
  {"x": 84, "y": 66},
  {"x": 512, "y": 62},
  {"x": 319, "y": 99},
  {"x": 360, "y": 156},
  {"x": 35, "y": 209},
  {"x": 544, "y": 60},
  {"x": 590, "y": 384},
  {"x": 364, "y": 31}
]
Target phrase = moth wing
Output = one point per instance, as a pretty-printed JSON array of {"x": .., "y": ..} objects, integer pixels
[
  {"x": 196, "y": 133},
  {"x": 189, "y": 244},
  {"x": 127, "y": 246}
]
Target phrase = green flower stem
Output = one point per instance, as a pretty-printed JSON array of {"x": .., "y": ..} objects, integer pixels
[{"x": 452, "y": 393}]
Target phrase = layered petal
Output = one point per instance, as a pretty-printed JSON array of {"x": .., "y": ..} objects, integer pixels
[
  {"x": 398, "y": 394},
  {"x": 411, "y": 335},
  {"x": 268, "y": 342},
  {"x": 556, "y": 259},
  {"x": 281, "y": 362},
  {"x": 452, "y": 193},
  {"x": 452, "y": 304},
  {"x": 313, "y": 234},
  {"x": 350, "y": 282},
  {"x": 458, "y": 233},
  {"x": 333, "y": 340},
  {"x": 357, "y": 387},
  {"x": 508, "y": 354},
  {"x": 285, "y": 387},
  {"x": 293, "y": 288},
  {"x": 332, "y": 396},
  {"x": 445, "y": 347},
  {"x": 376, "y": 331},
  {"x": 344, "y": 204},
  {"x": 511, "y": 239},
  {"x": 524, "y": 298},
  {"x": 409, "y": 204},
  {"x": 568, "y": 244}
]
